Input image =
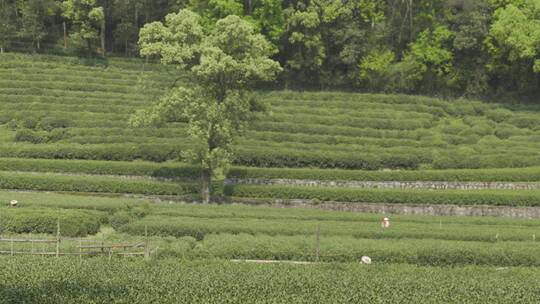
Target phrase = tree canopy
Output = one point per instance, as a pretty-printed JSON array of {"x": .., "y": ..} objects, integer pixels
[
  {"x": 436, "y": 47},
  {"x": 222, "y": 64}
]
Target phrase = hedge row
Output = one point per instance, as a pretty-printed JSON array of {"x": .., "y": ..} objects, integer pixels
[
  {"x": 59, "y": 93},
  {"x": 70, "y": 100},
  {"x": 181, "y": 170},
  {"x": 465, "y": 175},
  {"x": 18, "y": 76},
  {"x": 343, "y": 120},
  {"x": 31, "y": 280},
  {"x": 164, "y": 223},
  {"x": 171, "y": 170},
  {"x": 54, "y": 61},
  {"x": 69, "y": 86},
  {"x": 348, "y": 249},
  {"x": 41, "y": 220},
  {"x": 103, "y": 111},
  {"x": 326, "y": 139},
  {"x": 450, "y": 197},
  {"x": 110, "y": 73},
  {"x": 70, "y": 201},
  {"x": 280, "y": 155},
  {"x": 93, "y": 184},
  {"x": 357, "y": 106},
  {"x": 123, "y": 152},
  {"x": 365, "y": 113},
  {"x": 317, "y": 129},
  {"x": 276, "y": 156}
]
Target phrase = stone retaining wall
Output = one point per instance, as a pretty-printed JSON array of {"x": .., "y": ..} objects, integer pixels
[
  {"x": 420, "y": 185},
  {"x": 386, "y": 208}
]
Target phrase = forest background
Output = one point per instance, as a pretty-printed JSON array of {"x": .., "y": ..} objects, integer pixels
[{"x": 487, "y": 49}]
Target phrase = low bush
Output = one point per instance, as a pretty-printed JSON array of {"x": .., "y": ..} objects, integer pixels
[
  {"x": 93, "y": 184},
  {"x": 182, "y": 170},
  {"x": 40, "y": 220},
  {"x": 35, "y": 137},
  {"x": 31, "y": 280},
  {"x": 467, "y": 175},
  {"x": 179, "y": 223},
  {"x": 449, "y": 197},
  {"x": 347, "y": 249},
  {"x": 58, "y": 201},
  {"x": 117, "y": 152},
  {"x": 499, "y": 115},
  {"x": 166, "y": 170}
]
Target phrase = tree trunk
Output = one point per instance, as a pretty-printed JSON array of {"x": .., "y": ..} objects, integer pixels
[
  {"x": 136, "y": 16},
  {"x": 103, "y": 51},
  {"x": 89, "y": 45},
  {"x": 65, "y": 35},
  {"x": 206, "y": 184},
  {"x": 1, "y": 50}
]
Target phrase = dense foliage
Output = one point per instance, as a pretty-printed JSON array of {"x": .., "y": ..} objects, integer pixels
[
  {"x": 441, "y": 47},
  {"x": 223, "y": 67},
  {"x": 182, "y": 171},
  {"x": 45, "y": 220},
  {"x": 27, "y": 279},
  {"x": 83, "y": 184},
  {"x": 59, "y": 107},
  {"x": 209, "y": 231}
]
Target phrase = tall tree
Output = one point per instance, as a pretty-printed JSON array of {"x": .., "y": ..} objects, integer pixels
[
  {"x": 516, "y": 32},
  {"x": 431, "y": 57},
  {"x": 89, "y": 19},
  {"x": 469, "y": 24},
  {"x": 8, "y": 24},
  {"x": 223, "y": 65},
  {"x": 124, "y": 15},
  {"x": 34, "y": 17}
]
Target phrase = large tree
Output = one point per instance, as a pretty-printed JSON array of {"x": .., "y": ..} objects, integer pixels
[
  {"x": 8, "y": 23},
  {"x": 89, "y": 18},
  {"x": 514, "y": 42},
  {"x": 222, "y": 65},
  {"x": 34, "y": 17}
]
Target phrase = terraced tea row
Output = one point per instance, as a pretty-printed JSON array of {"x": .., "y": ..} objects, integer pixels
[
  {"x": 70, "y": 183},
  {"x": 327, "y": 130},
  {"x": 268, "y": 233},
  {"x": 96, "y": 281}
]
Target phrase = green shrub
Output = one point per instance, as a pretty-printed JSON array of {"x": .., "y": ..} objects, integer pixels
[
  {"x": 450, "y": 197},
  {"x": 119, "y": 219},
  {"x": 499, "y": 115},
  {"x": 39, "y": 220},
  {"x": 181, "y": 170},
  {"x": 93, "y": 184},
  {"x": 35, "y": 137},
  {"x": 50, "y": 123},
  {"x": 504, "y": 131}
]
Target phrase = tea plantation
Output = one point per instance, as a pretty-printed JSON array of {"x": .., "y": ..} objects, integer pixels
[
  {"x": 419, "y": 259},
  {"x": 68, "y": 108},
  {"x": 69, "y": 157}
]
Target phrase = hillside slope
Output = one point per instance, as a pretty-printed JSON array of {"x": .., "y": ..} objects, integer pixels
[{"x": 65, "y": 107}]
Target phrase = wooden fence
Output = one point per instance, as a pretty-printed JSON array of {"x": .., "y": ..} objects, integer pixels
[{"x": 91, "y": 247}]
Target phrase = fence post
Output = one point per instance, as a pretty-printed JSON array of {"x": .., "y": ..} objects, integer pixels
[
  {"x": 146, "y": 249},
  {"x": 80, "y": 251},
  {"x": 58, "y": 238},
  {"x": 317, "y": 242}
]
